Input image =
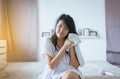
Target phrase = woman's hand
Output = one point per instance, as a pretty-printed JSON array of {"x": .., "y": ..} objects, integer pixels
[{"x": 68, "y": 43}]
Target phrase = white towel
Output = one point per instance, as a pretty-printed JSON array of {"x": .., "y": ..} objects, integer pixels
[{"x": 76, "y": 40}]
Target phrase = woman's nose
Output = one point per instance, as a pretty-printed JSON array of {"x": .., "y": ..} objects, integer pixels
[{"x": 62, "y": 30}]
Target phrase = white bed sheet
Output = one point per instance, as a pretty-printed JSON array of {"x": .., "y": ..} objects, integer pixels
[
  {"x": 31, "y": 70},
  {"x": 91, "y": 70},
  {"x": 24, "y": 70}
]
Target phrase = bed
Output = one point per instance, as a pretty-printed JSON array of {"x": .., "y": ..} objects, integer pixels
[
  {"x": 32, "y": 70},
  {"x": 91, "y": 70}
]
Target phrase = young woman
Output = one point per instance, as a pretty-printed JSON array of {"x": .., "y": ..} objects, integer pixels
[{"x": 62, "y": 62}]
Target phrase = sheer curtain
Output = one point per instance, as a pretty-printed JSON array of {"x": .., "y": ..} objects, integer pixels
[
  {"x": 19, "y": 26},
  {"x": 113, "y": 31}
]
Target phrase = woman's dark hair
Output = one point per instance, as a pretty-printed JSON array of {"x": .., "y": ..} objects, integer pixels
[{"x": 69, "y": 23}]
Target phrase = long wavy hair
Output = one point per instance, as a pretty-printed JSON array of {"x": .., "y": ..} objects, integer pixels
[{"x": 69, "y": 23}]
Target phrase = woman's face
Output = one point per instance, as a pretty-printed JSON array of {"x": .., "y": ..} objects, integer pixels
[{"x": 61, "y": 29}]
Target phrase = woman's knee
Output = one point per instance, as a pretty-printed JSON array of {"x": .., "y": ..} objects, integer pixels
[
  {"x": 67, "y": 75},
  {"x": 70, "y": 75}
]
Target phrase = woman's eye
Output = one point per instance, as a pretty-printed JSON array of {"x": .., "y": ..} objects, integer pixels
[
  {"x": 66, "y": 28},
  {"x": 59, "y": 26}
]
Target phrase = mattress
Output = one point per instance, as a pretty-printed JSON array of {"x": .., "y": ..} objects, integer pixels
[
  {"x": 32, "y": 70},
  {"x": 24, "y": 70},
  {"x": 92, "y": 70}
]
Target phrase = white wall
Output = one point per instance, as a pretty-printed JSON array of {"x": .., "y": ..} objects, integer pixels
[{"x": 86, "y": 14}]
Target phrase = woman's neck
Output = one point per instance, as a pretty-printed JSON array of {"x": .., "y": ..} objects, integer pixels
[{"x": 60, "y": 42}]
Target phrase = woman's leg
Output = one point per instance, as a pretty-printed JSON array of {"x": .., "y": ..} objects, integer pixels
[{"x": 70, "y": 75}]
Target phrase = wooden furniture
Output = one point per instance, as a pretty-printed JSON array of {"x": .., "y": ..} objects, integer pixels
[
  {"x": 3, "y": 62},
  {"x": 3, "y": 50}
]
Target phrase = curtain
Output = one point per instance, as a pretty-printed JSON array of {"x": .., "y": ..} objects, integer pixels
[
  {"x": 113, "y": 31},
  {"x": 113, "y": 39},
  {"x": 5, "y": 25},
  {"x": 19, "y": 26},
  {"x": 113, "y": 25}
]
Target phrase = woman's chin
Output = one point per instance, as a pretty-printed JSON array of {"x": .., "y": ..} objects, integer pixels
[{"x": 60, "y": 36}]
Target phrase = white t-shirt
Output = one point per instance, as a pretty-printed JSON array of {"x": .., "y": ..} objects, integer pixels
[{"x": 63, "y": 66}]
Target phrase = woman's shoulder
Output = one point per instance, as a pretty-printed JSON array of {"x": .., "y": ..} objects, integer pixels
[
  {"x": 47, "y": 46},
  {"x": 46, "y": 39}
]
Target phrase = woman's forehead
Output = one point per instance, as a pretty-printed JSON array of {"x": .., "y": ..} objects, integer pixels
[{"x": 62, "y": 23}]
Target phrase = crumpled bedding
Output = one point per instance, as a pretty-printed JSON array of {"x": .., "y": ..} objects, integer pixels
[
  {"x": 32, "y": 70},
  {"x": 91, "y": 70}
]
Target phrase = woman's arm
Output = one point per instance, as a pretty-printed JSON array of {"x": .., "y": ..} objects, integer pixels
[
  {"x": 73, "y": 58},
  {"x": 54, "y": 61}
]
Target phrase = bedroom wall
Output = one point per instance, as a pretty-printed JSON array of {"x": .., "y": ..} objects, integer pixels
[{"x": 87, "y": 14}]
